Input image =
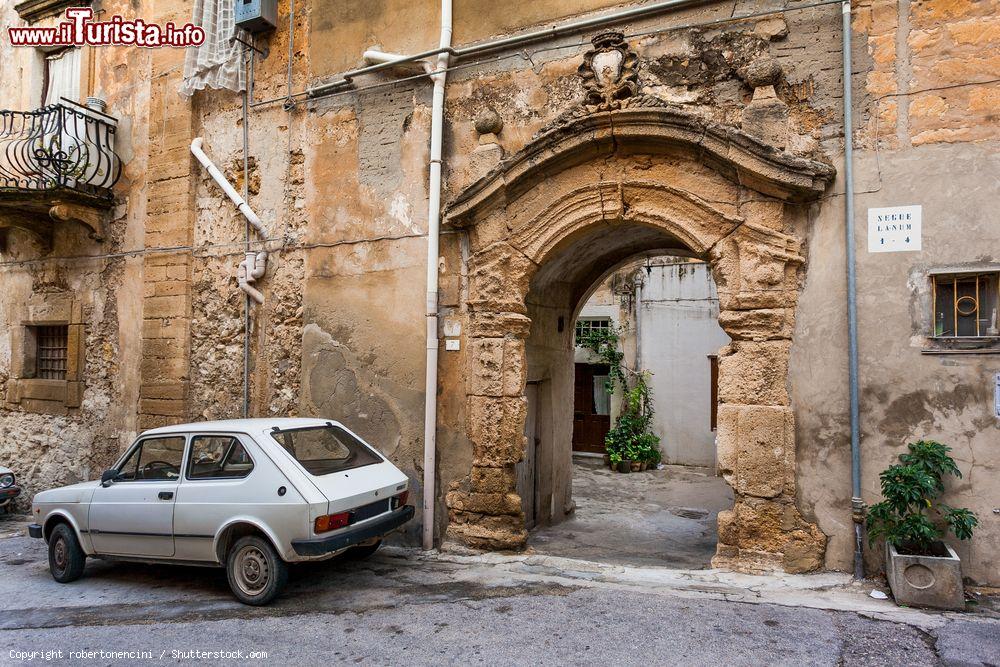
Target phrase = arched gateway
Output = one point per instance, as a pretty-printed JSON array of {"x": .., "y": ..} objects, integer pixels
[{"x": 621, "y": 175}]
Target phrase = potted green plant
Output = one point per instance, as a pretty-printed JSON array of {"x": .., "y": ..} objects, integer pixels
[
  {"x": 650, "y": 452},
  {"x": 630, "y": 442},
  {"x": 922, "y": 570}
]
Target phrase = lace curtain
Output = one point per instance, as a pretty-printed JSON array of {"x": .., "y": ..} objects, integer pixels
[
  {"x": 63, "y": 71},
  {"x": 218, "y": 62}
]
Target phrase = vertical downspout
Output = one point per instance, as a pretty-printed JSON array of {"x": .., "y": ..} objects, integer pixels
[
  {"x": 433, "y": 242},
  {"x": 857, "y": 506},
  {"x": 638, "y": 325},
  {"x": 246, "y": 232}
]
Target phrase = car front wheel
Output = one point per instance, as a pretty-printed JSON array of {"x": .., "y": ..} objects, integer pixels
[
  {"x": 66, "y": 558},
  {"x": 255, "y": 570}
]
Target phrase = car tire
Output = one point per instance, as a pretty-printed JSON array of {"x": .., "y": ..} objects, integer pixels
[
  {"x": 66, "y": 558},
  {"x": 255, "y": 571},
  {"x": 362, "y": 552}
]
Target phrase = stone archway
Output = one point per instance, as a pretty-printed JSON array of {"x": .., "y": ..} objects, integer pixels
[{"x": 611, "y": 169}]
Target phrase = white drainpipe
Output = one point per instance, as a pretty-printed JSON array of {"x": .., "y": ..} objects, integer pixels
[
  {"x": 374, "y": 56},
  {"x": 254, "y": 265},
  {"x": 438, "y": 73},
  {"x": 638, "y": 325},
  {"x": 433, "y": 241}
]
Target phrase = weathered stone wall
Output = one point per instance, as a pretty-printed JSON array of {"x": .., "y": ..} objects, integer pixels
[
  {"x": 49, "y": 443},
  {"x": 167, "y": 275}
]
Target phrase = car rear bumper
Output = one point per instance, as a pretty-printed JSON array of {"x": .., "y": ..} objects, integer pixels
[
  {"x": 34, "y": 530},
  {"x": 375, "y": 528}
]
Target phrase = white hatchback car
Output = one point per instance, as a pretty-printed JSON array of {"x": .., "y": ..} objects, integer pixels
[{"x": 250, "y": 495}]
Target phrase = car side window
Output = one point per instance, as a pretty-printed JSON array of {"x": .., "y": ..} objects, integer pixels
[
  {"x": 218, "y": 457},
  {"x": 153, "y": 459}
]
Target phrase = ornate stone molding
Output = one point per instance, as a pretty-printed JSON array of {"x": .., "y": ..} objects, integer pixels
[
  {"x": 90, "y": 218},
  {"x": 584, "y": 194},
  {"x": 610, "y": 72},
  {"x": 663, "y": 129},
  {"x": 615, "y": 115},
  {"x": 40, "y": 219}
]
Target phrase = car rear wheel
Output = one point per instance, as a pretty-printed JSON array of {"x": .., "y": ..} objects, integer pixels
[
  {"x": 66, "y": 558},
  {"x": 361, "y": 552},
  {"x": 255, "y": 570}
]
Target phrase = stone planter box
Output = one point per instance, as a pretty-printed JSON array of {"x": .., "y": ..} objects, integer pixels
[{"x": 925, "y": 581}]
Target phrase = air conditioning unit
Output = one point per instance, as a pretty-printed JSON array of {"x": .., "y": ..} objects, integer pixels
[{"x": 257, "y": 15}]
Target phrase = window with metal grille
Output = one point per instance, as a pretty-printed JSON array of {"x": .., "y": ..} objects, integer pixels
[
  {"x": 585, "y": 326},
  {"x": 51, "y": 343},
  {"x": 965, "y": 305}
]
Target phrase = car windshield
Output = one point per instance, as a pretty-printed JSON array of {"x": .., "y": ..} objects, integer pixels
[{"x": 323, "y": 450}]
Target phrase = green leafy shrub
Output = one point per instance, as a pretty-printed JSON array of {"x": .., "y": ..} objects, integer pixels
[
  {"x": 908, "y": 517},
  {"x": 631, "y": 438},
  {"x": 604, "y": 343}
]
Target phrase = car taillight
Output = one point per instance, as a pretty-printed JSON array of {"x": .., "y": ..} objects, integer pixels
[
  {"x": 400, "y": 499},
  {"x": 328, "y": 522}
]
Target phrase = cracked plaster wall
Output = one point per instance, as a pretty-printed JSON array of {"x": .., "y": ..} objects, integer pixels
[{"x": 45, "y": 443}]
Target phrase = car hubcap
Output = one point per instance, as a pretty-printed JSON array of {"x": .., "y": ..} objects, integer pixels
[
  {"x": 252, "y": 573},
  {"x": 59, "y": 554}
]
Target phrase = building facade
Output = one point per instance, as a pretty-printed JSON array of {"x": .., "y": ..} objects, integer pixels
[
  {"x": 684, "y": 131},
  {"x": 666, "y": 314}
]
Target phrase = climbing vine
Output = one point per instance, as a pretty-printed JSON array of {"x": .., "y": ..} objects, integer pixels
[{"x": 631, "y": 438}]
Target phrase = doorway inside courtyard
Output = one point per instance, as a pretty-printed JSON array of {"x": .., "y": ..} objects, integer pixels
[{"x": 645, "y": 484}]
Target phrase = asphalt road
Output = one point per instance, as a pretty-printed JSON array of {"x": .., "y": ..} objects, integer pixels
[{"x": 395, "y": 609}]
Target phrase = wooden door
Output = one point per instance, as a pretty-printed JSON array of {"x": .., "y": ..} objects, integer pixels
[
  {"x": 591, "y": 421},
  {"x": 526, "y": 468}
]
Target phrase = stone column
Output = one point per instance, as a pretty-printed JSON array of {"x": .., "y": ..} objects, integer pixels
[
  {"x": 170, "y": 186},
  {"x": 484, "y": 511},
  {"x": 756, "y": 270}
]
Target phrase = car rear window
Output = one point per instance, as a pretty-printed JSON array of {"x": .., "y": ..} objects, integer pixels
[{"x": 323, "y": 450}]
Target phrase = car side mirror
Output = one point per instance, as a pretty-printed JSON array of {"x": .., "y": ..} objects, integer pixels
[{"x": 108, "y": 476}]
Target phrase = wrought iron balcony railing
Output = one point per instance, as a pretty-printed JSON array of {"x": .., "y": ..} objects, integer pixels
[{"x": 63, "y": 149}]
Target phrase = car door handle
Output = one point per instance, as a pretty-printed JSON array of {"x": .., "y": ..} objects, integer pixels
[{"x": 166, "y": 495}]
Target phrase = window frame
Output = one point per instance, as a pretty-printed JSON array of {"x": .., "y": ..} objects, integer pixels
[
  {"x": 40, "y": 395},
  {"x": 36, "y": 334},
  {"x": 189, "y": 453},
  {"x": 927, "y": 278},
  {"x": 956, "y": 276},
  {"x": 590, "y": 319},
  {"x": 117, "y": 467}
]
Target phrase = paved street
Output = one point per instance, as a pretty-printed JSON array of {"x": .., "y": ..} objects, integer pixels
[
  {"x": 404, "y": 608},
  {"x": 666, "y": 517}
]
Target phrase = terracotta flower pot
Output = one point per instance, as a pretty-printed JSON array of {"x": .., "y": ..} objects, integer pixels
[{"x": 636, "y": 466}]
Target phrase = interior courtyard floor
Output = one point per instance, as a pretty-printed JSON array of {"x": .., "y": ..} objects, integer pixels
[{"x": 661, "y": 517}]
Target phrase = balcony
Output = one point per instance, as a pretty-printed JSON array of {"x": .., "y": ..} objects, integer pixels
[{"x": 57, "y": 164}]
